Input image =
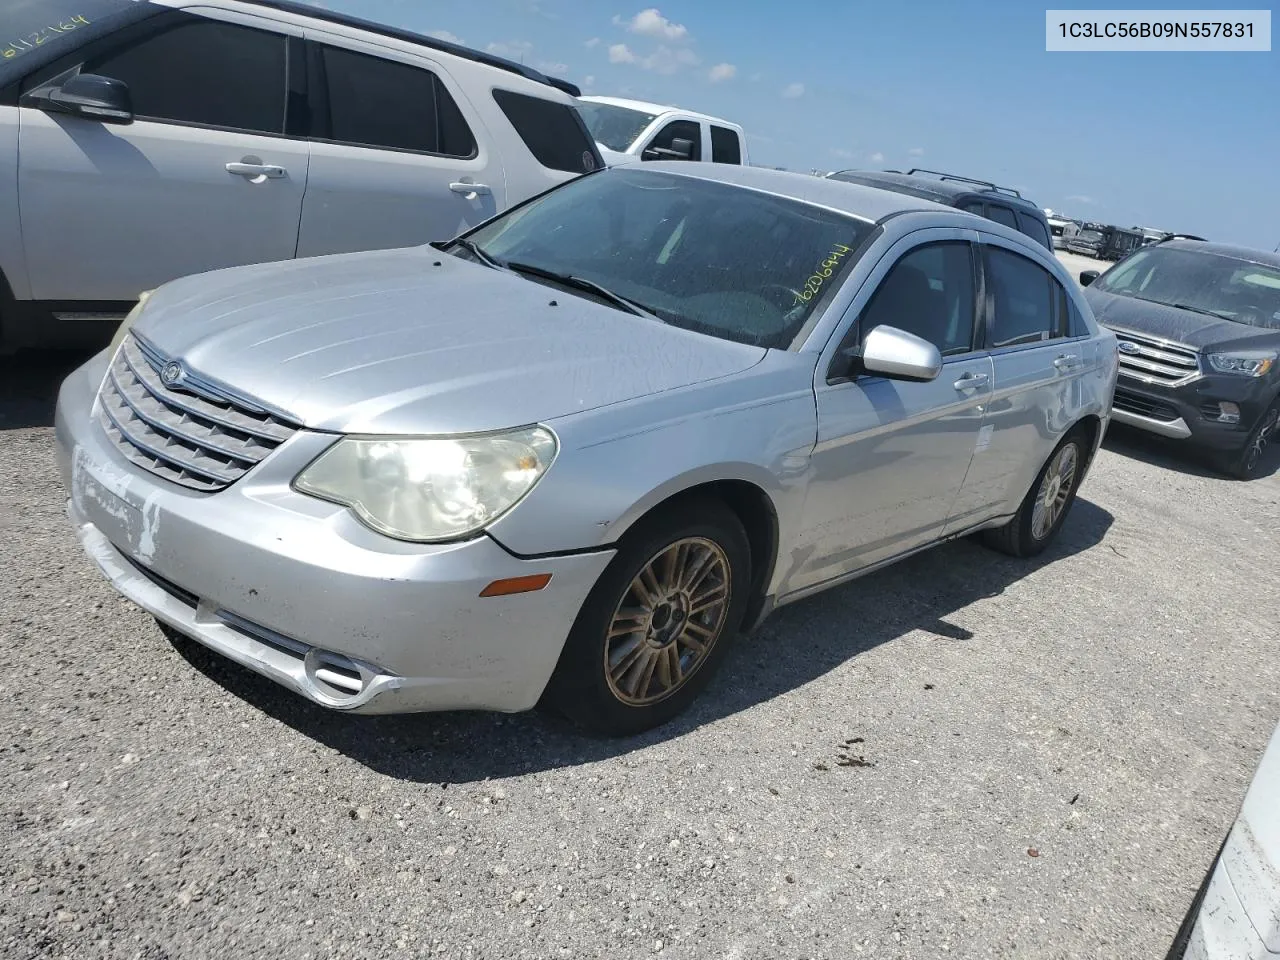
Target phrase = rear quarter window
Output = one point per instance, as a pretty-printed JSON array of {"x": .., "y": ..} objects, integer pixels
[
  {"x": 553, "y": 132},
  {"x": 1035, "y": 229}
]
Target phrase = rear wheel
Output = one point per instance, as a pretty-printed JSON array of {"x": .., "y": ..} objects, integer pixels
[
  {"x": 657, "y": 624},
  {"x": 1047, "y": 503},
  {"x": 1245, "y": 465}
]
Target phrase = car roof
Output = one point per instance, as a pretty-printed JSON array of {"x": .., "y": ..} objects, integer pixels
[
  {"x": 656, "y": 108},
  {"x": 317, "y": 12},
  {"x": 1263, "y": 257},
  {"x": 854, "y": 199},
  {"x": 944, "y": 191}
]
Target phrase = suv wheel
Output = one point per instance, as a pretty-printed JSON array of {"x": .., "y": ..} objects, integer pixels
[{"x": 1245, "y": 465}]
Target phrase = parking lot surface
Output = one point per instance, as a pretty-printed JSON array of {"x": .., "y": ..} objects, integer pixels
[{"x": 965, "y": 755}]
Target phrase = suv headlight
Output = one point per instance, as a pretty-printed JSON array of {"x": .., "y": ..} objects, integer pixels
[
  {"x": 430, "y": 489},
  {"x": 1246, "y": 363},
  {"x": 127, "y": 323}
]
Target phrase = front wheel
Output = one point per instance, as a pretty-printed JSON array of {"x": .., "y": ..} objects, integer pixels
[
  {"x": 656, "y": 625},
  {"x": 1046, "y": 504},
  {"x": 1245, "y": 465}
]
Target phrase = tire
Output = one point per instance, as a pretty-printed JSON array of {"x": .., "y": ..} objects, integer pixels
[
  {"x": 618, "y": 682},
  {"x": 1031, "y": 531},
  {"x": 1244, "y": 465}
]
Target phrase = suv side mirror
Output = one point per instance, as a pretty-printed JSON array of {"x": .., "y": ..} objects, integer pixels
[
  {"x": 680, "y": 149},
  {"x": 1088, "y": 276},
  {"x": 88, "y": 96},
  {"x": 891, "y": 353}
]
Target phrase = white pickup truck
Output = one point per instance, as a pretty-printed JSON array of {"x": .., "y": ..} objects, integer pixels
[{"x": 627, "y": 130}]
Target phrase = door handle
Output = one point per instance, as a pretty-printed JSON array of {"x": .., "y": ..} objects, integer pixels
[
  {"x": 1066, "y": 361},
  {"x": 252, "y": 171},
  {"x": 971, "y": 381},
  {"x": 470, "y": 190}
]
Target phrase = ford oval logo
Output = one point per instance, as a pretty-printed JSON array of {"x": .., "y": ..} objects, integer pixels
[
  {"x": 171, "y": 373},
  {"x": 1126, "y": 346}
]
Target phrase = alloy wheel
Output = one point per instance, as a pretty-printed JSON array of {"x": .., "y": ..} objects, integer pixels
[
  {"x": 668, "y": 619},
  {"x": 1262, "y": 436},
  {"x": 1055, "y": 490}
]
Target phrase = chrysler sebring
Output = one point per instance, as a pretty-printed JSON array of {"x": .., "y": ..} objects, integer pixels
[{"x": 567, "y": 456}]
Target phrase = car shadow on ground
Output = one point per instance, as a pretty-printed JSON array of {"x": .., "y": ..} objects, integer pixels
[
  {"x": 819, "y": 634},
  {"x": 29, "y": 382},
  {"x": 1174, "y": 455}
]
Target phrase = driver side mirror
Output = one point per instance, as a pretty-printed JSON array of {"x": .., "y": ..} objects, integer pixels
[
  {"x": 893, "y": 354},
  {"x": 680, "y": 149},
  {"x": 87, "y": 96},
  {"x": 1088, "y": 276}
]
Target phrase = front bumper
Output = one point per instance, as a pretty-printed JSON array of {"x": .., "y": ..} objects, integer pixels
[
  {"x": 299, "y": 591},
  {"x": 1182, "y": 412}
]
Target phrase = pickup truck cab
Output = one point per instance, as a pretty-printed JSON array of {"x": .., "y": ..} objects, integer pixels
[{"x": 634, "y": 129}]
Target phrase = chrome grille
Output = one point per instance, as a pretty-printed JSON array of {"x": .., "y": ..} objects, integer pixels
[
  {"x": 205, "y": 440},
  {"x": 1157, "y": 361}
]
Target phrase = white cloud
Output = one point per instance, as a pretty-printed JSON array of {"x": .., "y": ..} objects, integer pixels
[
  {"x": 722, "y": 71},
  {"x": 876, "y": 157},
  {"x": 512, "y": 49},
  {"x": 1081, "y": 198},
  {"x": 664, "y": 60},
  {"x": 916, "y": 152},
  {"x": 651, "y": 23},
  {"x": 446, "y": 36},
  {"x": 593, "y": 42},
  {"x": 793, "y": 90}
]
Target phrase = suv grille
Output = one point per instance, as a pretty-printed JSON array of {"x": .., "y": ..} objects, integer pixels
[
  {"x": 1155, "y": 360},
  {"x": 205, "y": 440}
]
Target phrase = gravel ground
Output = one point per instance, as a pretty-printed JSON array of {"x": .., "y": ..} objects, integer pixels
[{"x": 1046, "y": 756}]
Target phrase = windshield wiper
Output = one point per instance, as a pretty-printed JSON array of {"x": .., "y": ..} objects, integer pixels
[
  {"x": 475, "y": 250},
  {"x": 587, "y": 286},
  {"x": 1207, "y": 313}
]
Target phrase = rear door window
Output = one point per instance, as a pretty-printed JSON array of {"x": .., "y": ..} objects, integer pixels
[
  {"x": 553, "y": 132},
  {"x": 1026, "y": 300},
  {"x": 203, "y": 72},
  {"x": 725, "y": 146},
  {"x": 1002, "y": 214},
  {"x": 372, "y": 102}
]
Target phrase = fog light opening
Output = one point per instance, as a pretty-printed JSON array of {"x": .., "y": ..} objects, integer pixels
[
  {"x": 1228, "y": 412},
  {"x": 334, "y": 676}
]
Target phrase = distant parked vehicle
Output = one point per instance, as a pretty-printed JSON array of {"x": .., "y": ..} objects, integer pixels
[
  {"x": 627, "y": 130},
  {"x": 1119, "y": 242},
  {"x": 1088, "y": 239},
  {"x": 144, "y": 141},
  {"x": 1199, "y": 329},
  {"x": 1001, "y": 204},
  {"x": 1058, "y": 226}
]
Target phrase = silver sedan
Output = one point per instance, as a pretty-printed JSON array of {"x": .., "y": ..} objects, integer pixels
[{"x": 569, "y": 455}]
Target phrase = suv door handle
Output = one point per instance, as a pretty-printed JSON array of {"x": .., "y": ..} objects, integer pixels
[
  {"x": 470, "y": 190},
  {"x": 252, "y": 171},
  {"x": 971, "y": 381},
  {"x": 1066, "y": 361}
]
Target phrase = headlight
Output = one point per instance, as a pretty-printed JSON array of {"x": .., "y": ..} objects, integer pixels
[
  {"x": 430, "y": 489},
  {"x": 1245, "y": 363},
  {"x": 128, "y": 322}
]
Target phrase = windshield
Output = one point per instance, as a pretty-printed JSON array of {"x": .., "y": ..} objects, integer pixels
[
  {"x": 734, "y": 263},
  {"x": 1207, "y": 282},
  {"x": 30, "y": 25},
  {"x": 615, "y": 127}
]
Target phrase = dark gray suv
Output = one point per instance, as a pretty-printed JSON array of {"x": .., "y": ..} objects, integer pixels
[{"x": 1001, "y": 204}]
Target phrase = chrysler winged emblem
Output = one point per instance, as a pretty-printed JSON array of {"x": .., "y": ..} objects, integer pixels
[{"x": 171, "y": 373}]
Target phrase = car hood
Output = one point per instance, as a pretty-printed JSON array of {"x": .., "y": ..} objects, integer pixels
[
  {"x": 416, "y": 341},
  {"x": 1179, "y": 326}
]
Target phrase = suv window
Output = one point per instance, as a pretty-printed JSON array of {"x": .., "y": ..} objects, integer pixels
[
  {"x": 1002, "y": 214},
  {"x": 974, "y": 207},
  {"x": 725, "y": 147},
  {"x": 380, "y": 103},
  {"x": 552, "y": 131},
  {"x": 930, "y": 293},
  {"x": 679, "y": 130},
  {"x": 1035, "y": 229},
  {"x": 1025, "y": 298},
  {"x": 203, "y": 72}
]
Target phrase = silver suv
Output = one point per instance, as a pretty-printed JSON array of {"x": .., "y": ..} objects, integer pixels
[
  {"x": 145, "y": 140},
  {"x": 570, "y": 454}
]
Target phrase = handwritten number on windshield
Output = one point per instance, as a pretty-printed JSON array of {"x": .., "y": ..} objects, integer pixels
[
  {"x": 30, "y": 41},
  {"x": 827, "y": 267}
]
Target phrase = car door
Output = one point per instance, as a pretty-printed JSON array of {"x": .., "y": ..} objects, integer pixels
[
  {"x": 891, "y": 455},
  {"x": 1039, "y": 356},
  {"x": 203, "y": 177},
  {"x": 398, "y": 156}
]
